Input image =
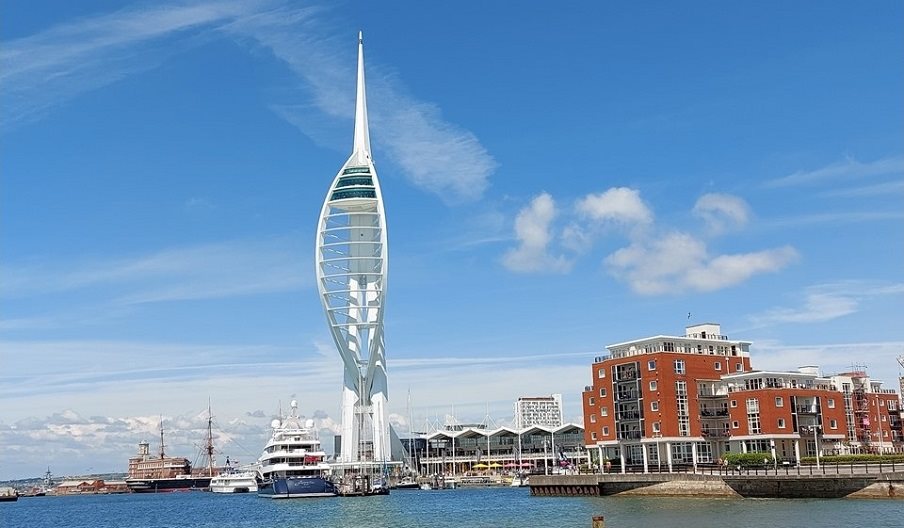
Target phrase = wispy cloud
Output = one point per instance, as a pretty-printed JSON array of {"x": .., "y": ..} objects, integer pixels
[
  {"x": 840, "y": 217},
  {"x": 53, "y": 66},
  {"x": 533, "y": 231},
  {"x": 832, "y": 358},
  {"x": 224, "y": 269},
  {"x": 849, "y": 169},
  {"x": 434, "y": 154},
  {"x": 826, "y": 302},
  {"x": 893, "y": 188}
]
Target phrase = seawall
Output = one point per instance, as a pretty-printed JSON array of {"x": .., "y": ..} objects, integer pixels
[{"x": 885, "y": 486}]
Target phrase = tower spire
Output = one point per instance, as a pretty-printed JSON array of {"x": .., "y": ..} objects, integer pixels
[{"x": 362, "y": 135}]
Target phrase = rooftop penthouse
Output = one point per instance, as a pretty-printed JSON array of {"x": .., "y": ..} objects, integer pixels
[{"x": 704, "y": 339}]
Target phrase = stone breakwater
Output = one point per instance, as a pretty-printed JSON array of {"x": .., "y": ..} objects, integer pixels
[{"x": 875, "y": 486}]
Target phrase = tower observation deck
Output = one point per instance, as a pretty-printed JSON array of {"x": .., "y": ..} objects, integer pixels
[{"x": 351, "y": 265}]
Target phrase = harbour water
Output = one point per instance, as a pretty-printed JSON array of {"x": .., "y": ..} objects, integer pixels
[{"x": 497, "y": 507}]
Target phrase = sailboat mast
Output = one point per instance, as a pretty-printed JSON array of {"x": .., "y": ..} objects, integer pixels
[
  {"x": 209, "y": 446},
  {"x": 162, "y": 445}
]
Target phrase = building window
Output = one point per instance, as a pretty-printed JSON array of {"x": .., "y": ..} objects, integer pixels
[
  {"x": 779, "y": 402},
  {"x": 654, "y": 406},
  {"x": 603, "y": 392},
  {"x": 592, "y": 401},
  {"x": 605, "y": 431},
  {"x": 734, "y": 403},
  {"x": 604, "y": 411},
  {"x": 833, "y": 424},
  {"x": 735, "y": 424},
  {"x": 656, "y": 427},
  {"x": 593, "y": 436},
  {"x": 781, "y": 423},
  {"x": 739, "y": 367},
  {"x": 651, "y": 365},
  {"x": 679, "y": 366},
  {"x": 718, "y": 366},
  {"x": 592, "y": 418},
  {"x": 831, "y": 403},
  {"x": 653, "y": 385},
  {"x": 601, "y": 373}
]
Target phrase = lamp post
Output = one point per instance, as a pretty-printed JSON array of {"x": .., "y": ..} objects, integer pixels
[
  {"x": 816, "y": 443},
  {"x": 545, "y": 458}
]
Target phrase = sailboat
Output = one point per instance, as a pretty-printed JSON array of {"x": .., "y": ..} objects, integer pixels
[{"x": 162, "y": 473}]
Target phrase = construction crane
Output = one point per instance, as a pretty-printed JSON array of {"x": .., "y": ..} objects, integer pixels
[{"x": 901, "y": 361}]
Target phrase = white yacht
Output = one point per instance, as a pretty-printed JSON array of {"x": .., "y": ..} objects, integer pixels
[
  {"x": 292, "y": 464},
  {"x": 235, "y": 480}
]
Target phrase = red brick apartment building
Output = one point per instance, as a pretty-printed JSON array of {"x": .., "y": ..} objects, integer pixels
[{"x": 666, "y": 400}]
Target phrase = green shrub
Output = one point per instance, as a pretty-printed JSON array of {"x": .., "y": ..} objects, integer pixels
[
  {"x": 848, "y": 459},
  {"x": 748, "y": 459}
]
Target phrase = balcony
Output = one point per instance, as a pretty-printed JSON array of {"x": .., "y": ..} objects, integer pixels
[
  {"x": 806, "y": 409},
  {"x": 629, "y": 415},
  {"x": 627, "y": 395},
  {"x": 629, "y": 435},
  {"x": 714, "y": 413},
  {"x": 711, "y": 395},
  {"x": 715, "y": 433}
]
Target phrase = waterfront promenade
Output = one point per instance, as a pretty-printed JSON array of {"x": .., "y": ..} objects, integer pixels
[{"x": 825, "y": 481}]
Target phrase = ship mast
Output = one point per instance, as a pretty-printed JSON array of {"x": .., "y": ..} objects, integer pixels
[
  {"x": 162, "y": 454},
  {"x": 209, "y": 446}
]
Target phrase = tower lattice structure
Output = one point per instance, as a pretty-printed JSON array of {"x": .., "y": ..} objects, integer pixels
[{"x": 351, "y": 265}]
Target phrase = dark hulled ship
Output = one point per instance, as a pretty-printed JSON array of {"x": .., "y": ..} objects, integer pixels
[{"x": 160, "y": 473}]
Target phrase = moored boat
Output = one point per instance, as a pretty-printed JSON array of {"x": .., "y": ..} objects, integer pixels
[
  {"x": 235, "y": 481},
  {"x": 156, "y": 474},
  {"x": 292, "y": 464},
  {"x": 8, "y": 494}
]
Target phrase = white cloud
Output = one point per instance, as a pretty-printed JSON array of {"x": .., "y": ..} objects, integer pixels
[
  {"x": 678, "y": 262},
  {"x": 532, "y": 229},
  {"x": 826, "y": 302},
  {"x": 618, "y": 204},
  {"x": 722, "y": 212},
  {"x": 848, "y": 169},
  {"x": 124, "y": 387}
]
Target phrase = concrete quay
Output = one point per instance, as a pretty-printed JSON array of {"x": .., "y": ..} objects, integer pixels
[{"x": 877, "y": 486}]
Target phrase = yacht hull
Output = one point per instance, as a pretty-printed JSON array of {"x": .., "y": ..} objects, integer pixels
[{"x": 296, "y": 488}]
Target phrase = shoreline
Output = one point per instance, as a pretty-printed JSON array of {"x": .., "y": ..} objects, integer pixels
[{"x": 865, "y": 486}]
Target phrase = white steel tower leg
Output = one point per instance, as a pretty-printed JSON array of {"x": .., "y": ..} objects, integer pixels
[{"x": 352, "y": 262}]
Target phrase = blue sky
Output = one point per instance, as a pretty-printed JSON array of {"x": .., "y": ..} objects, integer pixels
[{"x": 555, "y": 180}]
